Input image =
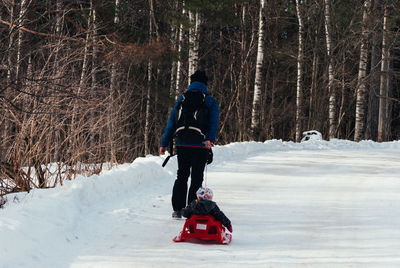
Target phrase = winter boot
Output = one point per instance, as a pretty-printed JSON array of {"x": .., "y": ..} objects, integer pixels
[{"x": 177, "y": 214}]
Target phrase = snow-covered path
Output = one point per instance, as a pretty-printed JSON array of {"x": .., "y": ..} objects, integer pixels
[{"x": 323, "y": 204}]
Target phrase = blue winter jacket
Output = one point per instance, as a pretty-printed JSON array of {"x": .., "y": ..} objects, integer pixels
[{"x": 213, "y": 111}]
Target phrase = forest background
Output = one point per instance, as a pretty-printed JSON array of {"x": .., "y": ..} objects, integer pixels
[{"x": 84, "y": 83}]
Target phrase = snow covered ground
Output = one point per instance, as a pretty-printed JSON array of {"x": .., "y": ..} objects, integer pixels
[{"x": 311, "y": 204}]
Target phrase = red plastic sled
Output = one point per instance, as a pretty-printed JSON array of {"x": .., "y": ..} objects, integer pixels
[{"x": 203, "y": 227}]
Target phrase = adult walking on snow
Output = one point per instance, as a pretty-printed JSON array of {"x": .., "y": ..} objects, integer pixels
[{"x": 194, "y": 120}]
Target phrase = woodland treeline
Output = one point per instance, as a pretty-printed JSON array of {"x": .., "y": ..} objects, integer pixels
[{"x": 91, "y": 82}]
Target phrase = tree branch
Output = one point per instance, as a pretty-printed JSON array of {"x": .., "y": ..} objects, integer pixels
[{"x": 79, "y": 40}]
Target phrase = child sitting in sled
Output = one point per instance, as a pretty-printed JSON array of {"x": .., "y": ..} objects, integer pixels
[{"x": 204, "y": 205}]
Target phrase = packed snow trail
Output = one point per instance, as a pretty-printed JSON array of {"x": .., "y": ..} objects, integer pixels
[{"x": 315, "y": 204}]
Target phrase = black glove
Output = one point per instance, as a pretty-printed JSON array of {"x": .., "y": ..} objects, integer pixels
[{"x": 209, "y": 156}]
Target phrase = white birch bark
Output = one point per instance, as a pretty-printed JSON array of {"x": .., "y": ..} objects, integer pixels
[
  {"x": 21, "y": 19},
  {"x": 362, "y": 73},
  {"x": 179, "y": 63},
  {"x": 147, "y": 115},
  {"x": 194, "y": 33},
  {"x": 300, "y": 57},
  {"x": 191, "y": 44},
  {"x": 196, "y": 44},
  {"x": 85, "y": 56},
  {"x": 331, "y": 89},
  {"x": 384, "y": 78},
  {"x": 94, "y": 46},
  {"x": 256, "y": 109},
  {"x": 173, "y": 80}
]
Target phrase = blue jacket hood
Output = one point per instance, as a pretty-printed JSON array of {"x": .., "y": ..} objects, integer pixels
[{"x": 199, "y": 86}]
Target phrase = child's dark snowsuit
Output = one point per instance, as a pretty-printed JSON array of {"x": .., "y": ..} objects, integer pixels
[{"x": 206, "y": 207}]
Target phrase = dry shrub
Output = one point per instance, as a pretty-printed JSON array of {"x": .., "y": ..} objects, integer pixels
[{"x": 137, "y": 53}]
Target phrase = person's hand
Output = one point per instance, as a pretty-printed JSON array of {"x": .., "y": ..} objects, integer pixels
[
  {"x": 230, "y": 229},
  {"x": 162, "y": 150},
  {"x": 208, "y": 144}
]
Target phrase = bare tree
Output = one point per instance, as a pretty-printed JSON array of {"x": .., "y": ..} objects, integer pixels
[
  {"x": 371, "y": 131},
  {"x": 300, "y": 59},
  {"x": 256, "y": 109},
  {"x": 5, "y": 124},
  {"x": 174, "y": 45},
  {"x": 21, "y": 18},
  {"x": 246, "y": 48},
  {"x": 81, "y": 86},
  {"x": 362, "y": 73},
  {"x": 384, "y": 82},
  {"x": 113, "y": 89},
  {"x": 149, "y": 85},
  {"x": 10, "y": 50},
  {"x": 331, "y": 89}
]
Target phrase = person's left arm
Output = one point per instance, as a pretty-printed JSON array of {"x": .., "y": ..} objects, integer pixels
[
  {"x": 169, "y": 129},
  {"x": 213, "y": 110},
  {"x": 220, "y": 216}
]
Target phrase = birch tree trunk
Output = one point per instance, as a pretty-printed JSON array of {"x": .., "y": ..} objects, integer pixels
[
  {"x": 147, "y": 115},
  {"x": 362, "y": 73},
  {"x": 10, "y": 49},
  {"x": 313, "y": 87},
  {"x": 57, "y": 73},
  {"x": 179, "y": 63},
  {"x": 331, "y": 89},
  {"x": 243, "y": 78},
  {"x": 94, "y": 46},
  {"x": 149, "y": 82},
  {"x": 113, "y": 88},
  {"x": 174, "y": 41},
  {"x": 94, "y": 61},
  {"x": 5, "y": 123},
  {"x": 85, "y": 59},
  {"x": 114, "y": 63},
  {"x": 58, "y": 38},
  {"x": 194, "y": 38},
  {"x": 256, "y": 109},
  {"x": 191, "y": 44},
  {"x": 21, "y": 19},
  {"x": 300, "y": 58},
  {"x": 384, "y": 82}
]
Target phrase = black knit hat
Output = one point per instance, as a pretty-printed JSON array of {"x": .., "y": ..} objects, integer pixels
[{"x": 199, "y": 76}]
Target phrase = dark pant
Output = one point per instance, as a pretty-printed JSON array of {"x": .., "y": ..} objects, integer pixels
[{"x": 191, "y": 161}]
